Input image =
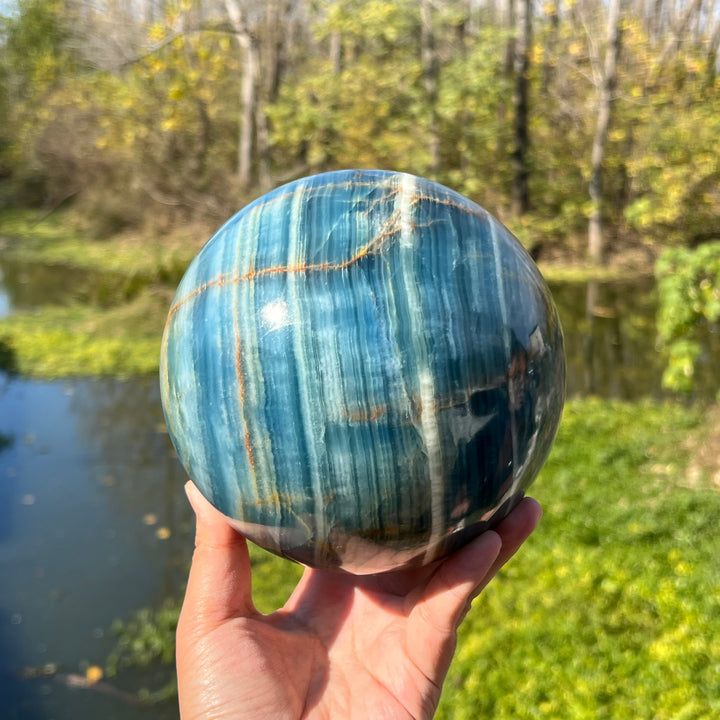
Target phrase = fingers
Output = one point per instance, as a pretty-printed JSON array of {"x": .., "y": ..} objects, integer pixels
[
  {"x": 219, "y": 586},
  {"x": 513, "y": 531},
  {"x": 457, "y": 581},
  {"x": 433, "y": 620}
]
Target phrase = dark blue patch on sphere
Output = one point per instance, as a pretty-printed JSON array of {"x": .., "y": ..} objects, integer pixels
[{"x": 363, "y": 370}]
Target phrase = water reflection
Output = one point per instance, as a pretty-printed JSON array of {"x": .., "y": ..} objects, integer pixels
[
  {"x": 4, "y": 297},
  {"x": 85, "y": 486},
  {"x": 28, "y": 284},
  {"x": 609, "y": 333}
]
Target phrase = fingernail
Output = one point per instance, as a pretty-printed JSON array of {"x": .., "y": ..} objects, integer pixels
[
  {"x": 190, "y": 491},
  {"x": 195, "y": 498}
]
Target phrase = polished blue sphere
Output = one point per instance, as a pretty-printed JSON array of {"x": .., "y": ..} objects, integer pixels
[{"x": 362, "y": 370}]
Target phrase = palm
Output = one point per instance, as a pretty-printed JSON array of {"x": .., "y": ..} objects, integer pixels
[{"x": 342, "y": 647}]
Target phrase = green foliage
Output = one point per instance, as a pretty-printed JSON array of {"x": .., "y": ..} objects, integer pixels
[
  {"x": 86, "y": 341},
  {"x": 33, "y": 61},
  {"x": 369, "y": 112},
  {"x": 677, "y": 174},
  {"x": 166, "y": 124},
  {"x": 133, "y": 281},
  {"x": 62, "y": 239},
  {"x": 689, "y": 304},
  {"x": 34, "y": 42},
  {"x": 611, "y": 609},
  {"x": 670, "y": 129},
  {"x": 273, "y": 579},
  {"x": 147, "y": 637},
  {"x": 156, "y": 135},
  {"x": 474, "y": 133},
  {"x": 158, "y": 131}
]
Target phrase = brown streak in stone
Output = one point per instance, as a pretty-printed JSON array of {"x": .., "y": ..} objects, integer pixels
[
  {"x": 373, "y": 247},
  {"x": 241, "y": 386},
  {"x": 479, "y": 212},
  {"x": 360, "y": 417},
  {"x": 219, "y": 281},
  {"x": 248, "y": 448},
  {"x": 384, "y": 198}
]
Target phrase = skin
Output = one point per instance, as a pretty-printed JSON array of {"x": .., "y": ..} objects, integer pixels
[{"x": 343, "y": 646}]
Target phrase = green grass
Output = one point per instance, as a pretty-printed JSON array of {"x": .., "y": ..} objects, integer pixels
[
  {"x": 57, "y": 239},
  {"x": 584, "y": 273},
  {"x": 611, "y": 609},
  {"x": 82, "y": 340}
]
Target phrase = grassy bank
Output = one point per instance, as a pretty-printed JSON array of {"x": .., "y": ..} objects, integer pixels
[
  {"x": 612, "y": 608},
  {"x": 60, "y": 238},
  {"x": 80, "y": 336},
  {"x": 79, "y": 340}
]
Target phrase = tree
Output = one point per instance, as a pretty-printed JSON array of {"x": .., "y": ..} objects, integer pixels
[
  {"x": 605, "y": 78},
  {"x": 521, "y": 68},
  {"x": 372, "y": 110},
  {"x": 34, "y": 60},
  {"x": 431, "y": 71},
  {"x": 247, "y": 38}
]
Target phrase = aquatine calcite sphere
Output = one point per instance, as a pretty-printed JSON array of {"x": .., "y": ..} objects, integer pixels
[{"x": 363, "y": 370}]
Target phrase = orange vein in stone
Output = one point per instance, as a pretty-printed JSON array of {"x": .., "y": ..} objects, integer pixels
[
  {"x": 372, "y": 248},
  {"x": 392, "y": 228},
  {"x": 241, "y": 385},
  {"x": 219, "y": 281},
  {"x": 361, "y": 417},
  {"x": 450, "y": 203}
]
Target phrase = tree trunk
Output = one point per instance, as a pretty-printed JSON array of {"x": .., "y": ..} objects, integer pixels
[
  {"x": 248, "y": 90},
  {"x": 507, "y": 11},
  {"x": 521, "y": 174},
  {"x": 606, "y": 90},
  {"x": 272, "y": 68},
  {"x": 248, "y": 100},
  {"x": 548, "y": 70},
  {"x": 430, "y": 65},
  {"x": 673, "y": 39},
  {"x": 336, "y": 52}
]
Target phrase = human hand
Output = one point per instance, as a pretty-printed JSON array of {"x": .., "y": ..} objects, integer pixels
[{"x": 343, "y": 647}]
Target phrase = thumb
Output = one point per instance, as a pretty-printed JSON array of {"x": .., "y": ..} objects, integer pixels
[
  {"x": 457, "y": 581},
  {"x": 219, "y": 585},
  {"x": 434, "y": 619}
]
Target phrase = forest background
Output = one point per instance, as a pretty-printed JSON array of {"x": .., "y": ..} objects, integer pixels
[
  {"x": 131, "y": 129},
  {"x": 592, "y": 128}
]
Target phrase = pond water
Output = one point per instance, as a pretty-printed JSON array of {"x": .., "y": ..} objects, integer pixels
[
  {"x": 27, "y": 284},
  {"x": 93, "y": 520},
  {"x": 610, "y": 340},
  {"x": 93, "y": 525}
]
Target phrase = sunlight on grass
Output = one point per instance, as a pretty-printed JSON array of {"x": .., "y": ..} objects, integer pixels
[
  {"x": 612, "y": 608},
  {"x": 81, "y": 340},
  {"x": 55, "y": 240},
  {"x": 609, "y": 609}
]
